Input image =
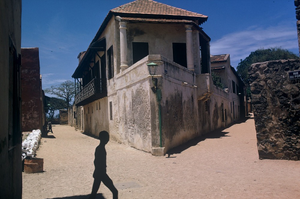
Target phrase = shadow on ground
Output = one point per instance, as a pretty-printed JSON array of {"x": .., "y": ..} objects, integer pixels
[
  {"x": 211, "y": 135},
  {"x": 99, "y": 196},
  {"x": 48, "y": 136}
]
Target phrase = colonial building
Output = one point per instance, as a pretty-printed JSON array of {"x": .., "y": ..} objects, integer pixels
[
  {"x": 10, "y": 103},
  {"x": 149, "y": 109}
]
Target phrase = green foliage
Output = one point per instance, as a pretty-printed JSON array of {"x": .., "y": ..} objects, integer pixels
[
  {"x": 65, "y": 91},
  {"x": 217, "y": 80},
  {"x": 262, "y": 55}
]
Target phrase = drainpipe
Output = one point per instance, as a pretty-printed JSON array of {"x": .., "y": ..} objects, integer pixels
[
  {"x": 158, "y": 98},
  {"x": 158, "y": 151}
]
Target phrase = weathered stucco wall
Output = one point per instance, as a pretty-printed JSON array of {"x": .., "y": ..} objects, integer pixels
[
  {"x": 96, "y": 117},
  {"x": 131, "y": 114},
  {"x": 276, "y": 106},
  {"x": 179, "y": 105},
  {"x": 10, "y": 157}
]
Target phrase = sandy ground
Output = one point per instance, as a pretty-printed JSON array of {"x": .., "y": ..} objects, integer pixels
[{"x": 221, "y": 165}]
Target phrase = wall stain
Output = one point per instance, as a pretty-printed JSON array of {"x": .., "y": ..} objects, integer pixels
[{"x": 172, "y": 116}]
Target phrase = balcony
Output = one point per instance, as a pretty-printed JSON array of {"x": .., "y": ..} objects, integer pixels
[{"x": 92, "y": 91}]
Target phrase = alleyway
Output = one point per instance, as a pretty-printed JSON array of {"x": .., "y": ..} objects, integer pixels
[{"x": 222, "y": 165}]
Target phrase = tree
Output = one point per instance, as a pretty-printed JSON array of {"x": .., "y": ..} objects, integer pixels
[
  {"x": 217, "y": 80},
  {"x": 51, "y": 104},
  {"x": 261, "y": 55},
  {"x": 64, "y": 91}
]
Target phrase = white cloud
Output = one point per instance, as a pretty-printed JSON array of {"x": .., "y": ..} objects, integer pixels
[
  {"x": 49, "y": 80},
  {"x": 240, "y": 44}
]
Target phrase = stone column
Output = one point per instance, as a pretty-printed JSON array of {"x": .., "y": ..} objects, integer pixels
[
  {"x": 123, "y": 45},
  {"x": 189, "y": 47}
]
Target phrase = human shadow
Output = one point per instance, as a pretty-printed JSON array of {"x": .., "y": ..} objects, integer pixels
[
  {"x": 100, "y": 174},
  {"x": 98, "y": 196}
]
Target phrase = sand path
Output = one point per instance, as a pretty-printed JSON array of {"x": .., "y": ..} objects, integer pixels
[{"x": 221, "y": 165}]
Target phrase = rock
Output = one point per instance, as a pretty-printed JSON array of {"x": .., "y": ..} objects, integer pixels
[{"x": 276, "y": 106}]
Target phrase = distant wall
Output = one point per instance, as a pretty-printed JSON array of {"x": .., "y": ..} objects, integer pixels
[
  {"x": 63, "y": 116},
  {"x": 276, "y": 107},
  {"x": 32, "y": 109}
]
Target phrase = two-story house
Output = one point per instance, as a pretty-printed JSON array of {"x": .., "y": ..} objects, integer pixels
[{"x": 147, "y": 109}]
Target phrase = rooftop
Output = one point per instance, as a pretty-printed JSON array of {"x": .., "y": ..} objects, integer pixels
[
  {"x": 219, "y": 58},
  {"x": 150, "y": 7}
]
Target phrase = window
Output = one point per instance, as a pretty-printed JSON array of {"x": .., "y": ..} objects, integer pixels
[
  {"x": 110, "y": 110},
  {"x": 179, "y": 54},
  {"x": 110, "y": 62},
  {"x": 140, "y": 50},
  {"x": 222, "y": 112},
  {"x": 233, "y": 86},
  {"x": 207, "y": 107}
]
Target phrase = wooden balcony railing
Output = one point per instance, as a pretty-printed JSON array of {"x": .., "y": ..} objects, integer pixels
[{"x": 93, "y": 90}]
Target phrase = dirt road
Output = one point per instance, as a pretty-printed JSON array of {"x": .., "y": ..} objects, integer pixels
[{"x": 221, "y": 165}]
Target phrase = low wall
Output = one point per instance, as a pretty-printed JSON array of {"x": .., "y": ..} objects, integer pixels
[{"x": 276, "y": 107}]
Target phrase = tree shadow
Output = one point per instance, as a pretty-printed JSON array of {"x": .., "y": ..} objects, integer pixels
[{"x": 99, "y": 196}]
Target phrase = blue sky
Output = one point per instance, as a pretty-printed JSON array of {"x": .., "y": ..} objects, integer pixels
[{"x": 63, "y": 28}]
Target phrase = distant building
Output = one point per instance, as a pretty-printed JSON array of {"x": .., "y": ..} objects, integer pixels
[
  {"x": 33, "y": 114},
  {"x": 10, "y": 103},
  {"x": 151, "y": 112},
  {"x": 63, "y": 116},
  {"x": 232, "y": 84}
]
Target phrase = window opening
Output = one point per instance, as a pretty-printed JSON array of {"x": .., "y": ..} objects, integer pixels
[
  {"x": 179, "y": 54},
  {"x": 110, "y": 62},
  {"x": 140, "y": 50},
  {"x": 110, "y": 110}
]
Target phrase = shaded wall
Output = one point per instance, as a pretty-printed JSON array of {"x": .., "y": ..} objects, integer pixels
[
  {"x": 10, "y": 121},
  {"x": 276, "y": 107}
]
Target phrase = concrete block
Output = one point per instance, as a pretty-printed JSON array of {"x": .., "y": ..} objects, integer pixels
[{"x": 158, "y": 151}]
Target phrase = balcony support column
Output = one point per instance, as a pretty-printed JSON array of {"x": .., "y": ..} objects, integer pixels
[
  {"x": 189, "y": 47},
  {"x": 123, "y": 45}
]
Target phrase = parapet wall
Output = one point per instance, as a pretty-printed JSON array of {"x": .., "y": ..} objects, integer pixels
[{"x": 276, "y": 106}]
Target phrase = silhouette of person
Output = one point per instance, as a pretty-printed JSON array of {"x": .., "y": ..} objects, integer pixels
[
  {"x": 100, "y": 174},
  {"x": 50, "y": 127}
]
